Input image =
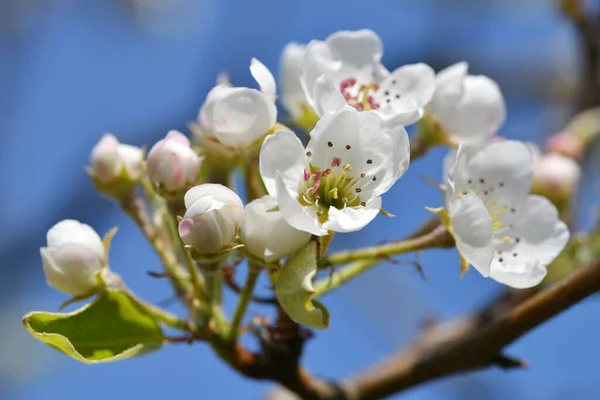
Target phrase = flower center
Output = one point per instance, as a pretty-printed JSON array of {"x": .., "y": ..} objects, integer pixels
[
  {"x": 337, "y": 186},
  {"x": 360, "y": 98}
]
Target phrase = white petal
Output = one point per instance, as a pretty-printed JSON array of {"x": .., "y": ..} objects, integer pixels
[
  {"x": 301, "y": 218},
  {"x": 359, "y": 48},
  {"x": 283, "y": 153},
  {"x": 292, "y": 94},
  {"x": 243, "y": 116},
  {"x": 205, "y": 115},
  {"x": 504, "y": 169},
  {"x": 542, "y": 236},
  {"x": 352, "y": 219},
  {"x": 414, "y": 81},
  {"x": 479, "y": 113},
  {"x": 449, "y": 87},
  {"x": 73, "y": 231},
  {"x": 71, "y": 268},
  {"x": 472, "y": 228},
  {"x": 217, "y": 192},
  {"x": 264, "y": 78},
  {"x": 318, "y": 60},
  {"x": 327, "y": 97}
]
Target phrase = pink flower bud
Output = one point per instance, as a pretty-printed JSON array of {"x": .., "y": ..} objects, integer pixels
[
  {"x": 172, "y": 164},
  {"x": 566, "y": 144},
  {"x": 73, "y": 257},
  {"x": 213, "y": 216},
  {"x": 110, "y": 158},
  {"x": 556, "y": 174}
]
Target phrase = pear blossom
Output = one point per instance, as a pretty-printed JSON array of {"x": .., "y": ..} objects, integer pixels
[
  {"x": 335, "y": 183},
  {"x": 73, "y": 257},
  {"x": 346, "y": 69},
  {"x": 237, "y": 117},
  {"x": 213, "y": 216},
  {"x": 499, "y": 228},
  {"x": 265, "y": 233},
  {"x": 112, "y": 160},
  {"x": 567, "y": 144},
  {"x": 466, "y": 107},
  {"x": 172, "y": 164}
]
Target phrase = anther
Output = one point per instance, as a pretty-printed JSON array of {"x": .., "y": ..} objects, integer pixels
[
  {"x": 315, "y": 187},
  {"x": 329, "y": 144},
  {"x": 369, "y": 161},
  {"x": 481, "y": 180},
  {"x": 306, "y": 175},
  {"x": 363, "y": 175},
  {"x": 374, "y": 178},
  {"x": 500, "y": 259},
  {"x": 358, "y": 190},
  {"x": 336, "y": 162},
  {"x": 362, "y": 203},
  {"x": 348, "y": 147}
]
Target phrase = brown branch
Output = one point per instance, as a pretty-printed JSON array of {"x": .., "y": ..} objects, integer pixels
[{"x": 473, "y": 342}]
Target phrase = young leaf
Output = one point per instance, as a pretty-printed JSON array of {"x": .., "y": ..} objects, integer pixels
[
  {"x": 294, "y": 289},
  {"x": 111, "y": 328}
]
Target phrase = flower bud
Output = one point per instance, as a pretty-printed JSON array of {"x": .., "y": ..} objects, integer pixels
[
  {"x": 566, "y": 144},
  {"x": 265, "y": 233},
  {"x": 172, "y": 164},
  {"x": 113, "y": 161},
  {"x": 73, "y": 257},
  {"x": 556, "y": 176},
  {"x": 213, "y": 216}
]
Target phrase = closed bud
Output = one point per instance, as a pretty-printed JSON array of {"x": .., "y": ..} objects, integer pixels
[
  {"x": 73, "y": 257},
  {"x": 116, "y": 168},
  {"x": 265, "y": 233},
  {"x": 566, "y": 144},
  {"x": 173, "y": 165},
  {"x": 556, "y": 176},
  {"x": 213, "y": 216}
]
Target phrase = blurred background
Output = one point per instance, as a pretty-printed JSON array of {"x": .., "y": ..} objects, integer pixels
[{"x": 73, "y": 70}]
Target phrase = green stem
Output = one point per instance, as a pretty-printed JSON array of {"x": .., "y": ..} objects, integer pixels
[
  {"x": 364, "y": 259},
  {"x": 438, "y": 237},
  {"x": 135, "y": 207},
  {"x": 243, "y": 302},
  {"x": 166, "y": 317}
]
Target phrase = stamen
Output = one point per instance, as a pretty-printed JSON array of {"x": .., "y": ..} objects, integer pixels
[
  {"x": 306, "y": 175},
  {"x": 336, "y": 162},
  {"x": 315, "y": 187}
]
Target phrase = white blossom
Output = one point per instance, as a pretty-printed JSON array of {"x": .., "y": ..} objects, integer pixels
[
  {"x": 237, "y": 117},
  {"x": 212, "y": 219},
  {"x": 73, "y": 257},
  {"x": 346, "y": 69},
  {"x": 290, "y": 69},
  {"x": 266, "y": 234},
  {"x": 466, "y": 107},
  {"x": 499, "y": 228},
  {"x": 335, "y": 183},
  {"x": 110, "y": 159},
  {"x": 172, "y": 164}
]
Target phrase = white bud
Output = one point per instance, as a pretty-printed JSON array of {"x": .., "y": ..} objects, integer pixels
[
  {"x": 110, "y": 159},
  {"x": 266, "y": 234},
  {"x": 556, "y": 173},
  {"x": 73, "y": 257},
  {"x": 173, "y": 164},
  {"x": 213, "y": 216}
]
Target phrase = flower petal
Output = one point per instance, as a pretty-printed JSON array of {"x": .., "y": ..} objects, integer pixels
[
  {"x": 327, "y": 97},
  {"x": 359, "y": 48},
  {"x": 292, "y": 94},
  {"x": 449, "y": 86},
  {"x": 318, "y": 60},
  {"x": 541, "y": 237},
  {"x": 503, "y": 169},
  {"x": 301, "y": 218},
  {"x": 242, "y": 116},
  {"x": 70, "y": 231},
  {"x": 352, "y": 219},
  {"x": 264, "y": 78},
  {"x": 217, "y": 192},
  {"x": 472, "y": 228},
  {"x": 479, "y": 113},
  {"x": 414, "y": 81},
  {"x": 282, "y": 153}
]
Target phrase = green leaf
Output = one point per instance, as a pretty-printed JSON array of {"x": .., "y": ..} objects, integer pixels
[
  {"x": 294, "y": 289},
  {"x": 111, "y": 328}
]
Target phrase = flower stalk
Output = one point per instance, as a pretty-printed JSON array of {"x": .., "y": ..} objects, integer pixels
[{"x": 242, "y": 306}]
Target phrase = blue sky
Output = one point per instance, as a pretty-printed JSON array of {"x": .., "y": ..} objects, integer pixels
[{"x": 75, "y": 70}]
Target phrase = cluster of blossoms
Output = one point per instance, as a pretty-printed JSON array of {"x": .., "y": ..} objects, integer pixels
[{"x": 355, "y": 111}]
